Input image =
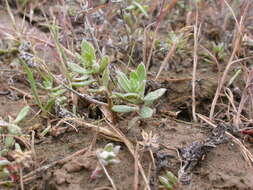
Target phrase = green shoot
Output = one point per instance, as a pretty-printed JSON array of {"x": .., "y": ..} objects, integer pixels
[
  {"x": 33, "y": 85},
  {"x": 108, "y": 155},
  {"x": 133, "y": 89},
  {"x": 169, "y": 181}
]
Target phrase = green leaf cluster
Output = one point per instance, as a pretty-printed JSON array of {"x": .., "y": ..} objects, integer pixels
[
  {"x": 12, "y": 129},
  {"x": 133, "y": 89},
  {"x": 137, "y": 7},
  {"x": 108, "y": 155},
  {"x": 218, "y": 50},
  {"x": 88, "y": 69},
  {"x": 54, "y": 93},
  {"x": 169, "y": 181}
]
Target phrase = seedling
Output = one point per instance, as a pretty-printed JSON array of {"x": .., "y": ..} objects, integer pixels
[
  {"x": 132, "y": 14},
  {"x": 137, "y": 7},
  {"x": 169, "y": 181},
  {"x": 133, "y": 88},
  {"x": 106, "y": 156},
  {"x": 55, "y": 94},
  {"x": 10, "y": 129},
  {"x": 218, "y": 51},
  {"x": 89, "y": 70},
  {"x": 180, "y": 38}
]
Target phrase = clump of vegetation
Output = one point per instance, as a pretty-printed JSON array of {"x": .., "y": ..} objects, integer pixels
[
  {"x": 108, "y": 155},
  {"x": 169, "y": 181},
  {"x": 9, "y": 130},
  {"x": 90, "y": 69},
  {"x": 218, "y": 51},
  {"x": 133, "y": 89},
  {"x": 55, "y": 94}
]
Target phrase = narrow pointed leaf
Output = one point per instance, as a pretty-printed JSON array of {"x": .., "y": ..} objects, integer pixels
[
  {"x": 58, "y": 92},
  {"x": 83, "y": 83},
  {"x": 127, "y": 95},
  {"x": 133, "y": 76},
  {"x": 104, "y": 63},
  {"x": 141, "y": 72},
  {"x": 141, "y": 8},
  {"x": 76, "y": 68},
  {"x": 172, "y": 178},
  {"x": 124, "y": 82},
  {"x": 82, "y": 78},
  {"x": 14, "y": 129},
  {"x": 33, "y": 85},
  {"x": 88, "y": 53},
  {"x": 106, "y": 78},
  {"x": 21, "y": 114},
  {"x": 124, "y": 108}
]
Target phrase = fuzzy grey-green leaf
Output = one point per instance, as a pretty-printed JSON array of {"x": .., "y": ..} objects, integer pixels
[
  {"x": 21, "y": 114},
  {"x": 141, "y": 72},
  {"x": 123, "y": 82},
  {"x": 106, "y": 77},
  {"x": 124, "y": 108},
  {"x": 104, "y": 63},
  {"x": 76, "y": 68},
  {"x": 82, "y": 83},
  {"x": 146, "y": 112},
  {"x": 88, "y": 53},
  {"x": 154, "y": 95}
]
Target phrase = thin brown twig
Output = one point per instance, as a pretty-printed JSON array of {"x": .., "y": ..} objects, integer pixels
[
  {"x": 144, "y": 48},
  {"x": 94, "y": 39},
  {"x": 107, "y": 175},
  {"x": 161, "y": 16},
  {"x": 136, "y": 171},
  {"x": 244, "y": 98},
  {"x": 103, "y": 188},
  {"x": 21, "y": 178},
  {"x": 165, "y": 61},
  {"x": 84, "y": 96},
  {"x": 22, "y": 92}
]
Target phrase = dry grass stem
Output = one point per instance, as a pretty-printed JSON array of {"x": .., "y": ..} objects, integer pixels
[
  {"x": 238, "y": 36},
  {"x": 195, "y": 63}
]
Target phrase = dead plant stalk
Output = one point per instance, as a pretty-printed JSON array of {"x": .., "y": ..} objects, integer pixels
[
  {"x": 230, "y": 62},
  {"x": 169, "y": 54},
  {"x": 195, "y": 63}
]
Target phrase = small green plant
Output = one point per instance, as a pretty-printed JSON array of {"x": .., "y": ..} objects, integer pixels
[
  {"x": 9, "y": 130},
  {"x": 179, "y": 38},
  {"x": 108, "y": 155},
  {"x": 55, "y": 94},
  {"x": 169, "y": 181},
  {"x": 89, "y": 70},
  {"x": 133, "y": 13},
  {"x": 137, "y": 7},
  {"x": 218, "y": 51},
  {"x": 133, "y": 88}
]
